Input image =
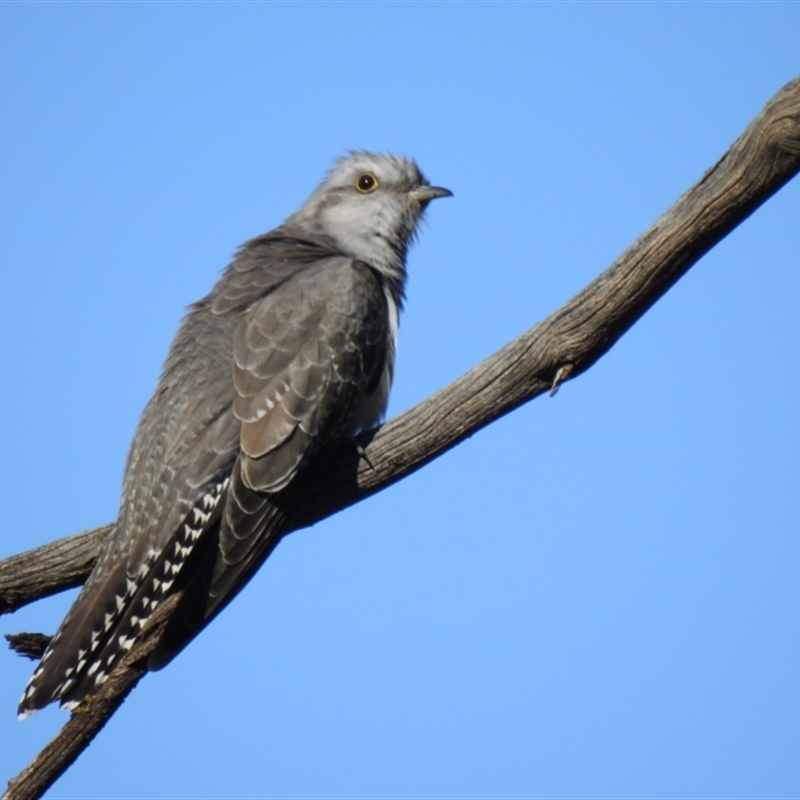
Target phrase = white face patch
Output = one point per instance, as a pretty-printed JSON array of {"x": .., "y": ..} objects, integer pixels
[{"x": 373, "y": 226}]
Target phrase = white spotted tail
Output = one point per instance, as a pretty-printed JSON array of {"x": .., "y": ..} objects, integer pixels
[{"x": 96, "y": 634}]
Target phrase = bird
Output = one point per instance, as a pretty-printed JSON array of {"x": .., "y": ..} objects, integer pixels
[{"x": 293, "y": 349}]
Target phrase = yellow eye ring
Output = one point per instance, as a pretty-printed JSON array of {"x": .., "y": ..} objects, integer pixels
[{"x": 367, "y": 183}]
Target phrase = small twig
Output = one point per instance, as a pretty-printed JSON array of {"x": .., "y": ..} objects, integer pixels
[
  {"x": 30, "y": 645},
  {"x": 561, "y": 376}
]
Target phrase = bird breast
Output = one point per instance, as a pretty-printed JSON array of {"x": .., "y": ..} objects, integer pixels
[{"x": 372, "y": 408}]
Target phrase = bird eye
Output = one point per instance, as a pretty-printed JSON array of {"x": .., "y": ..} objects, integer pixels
[{"x": 367, "y": 183}]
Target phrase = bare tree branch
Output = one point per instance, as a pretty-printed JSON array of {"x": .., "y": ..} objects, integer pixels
[
  {"x": 567, "y": 343},
  {"x": 49, "y": 569}
]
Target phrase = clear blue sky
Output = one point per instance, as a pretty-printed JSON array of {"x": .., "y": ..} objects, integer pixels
[{"x": 598, "y": 595}]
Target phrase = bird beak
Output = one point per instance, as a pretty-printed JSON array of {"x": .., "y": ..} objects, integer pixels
[{"x": 425, "y": 194}]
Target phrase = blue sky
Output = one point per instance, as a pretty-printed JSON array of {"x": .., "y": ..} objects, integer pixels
[{"x": 595, "y": 597}]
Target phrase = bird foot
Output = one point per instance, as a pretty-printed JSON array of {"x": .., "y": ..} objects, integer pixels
[{"x": 362, "y": 453}]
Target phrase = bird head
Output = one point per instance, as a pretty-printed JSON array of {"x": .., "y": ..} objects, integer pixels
[{"x": 369, "y": 206}]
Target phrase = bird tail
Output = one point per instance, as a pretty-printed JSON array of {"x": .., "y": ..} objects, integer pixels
[{"x": 70, "y": 656}]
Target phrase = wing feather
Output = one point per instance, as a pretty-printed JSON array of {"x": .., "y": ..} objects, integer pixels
[{"x": 298, "y": 383}]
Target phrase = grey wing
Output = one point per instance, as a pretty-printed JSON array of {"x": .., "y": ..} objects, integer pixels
[{"x": 305, "y": 358}]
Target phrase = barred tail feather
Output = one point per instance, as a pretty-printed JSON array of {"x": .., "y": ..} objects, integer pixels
[
  {"x": 72, "y": 650},
  {"x": 112, "y": 610}
]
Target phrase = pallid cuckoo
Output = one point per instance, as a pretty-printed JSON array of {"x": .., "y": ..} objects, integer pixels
[{"x": 293, "y": 348}]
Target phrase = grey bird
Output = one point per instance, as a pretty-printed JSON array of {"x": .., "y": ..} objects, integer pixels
[{"x": 293, "y": 349}]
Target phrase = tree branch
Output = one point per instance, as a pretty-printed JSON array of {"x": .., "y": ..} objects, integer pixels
[
  {"x": 49, "y": 569},
  {"x": 568, "y": 342}
]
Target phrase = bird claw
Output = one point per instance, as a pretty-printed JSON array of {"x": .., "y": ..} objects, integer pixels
[{"x": 362, "y": 453}]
